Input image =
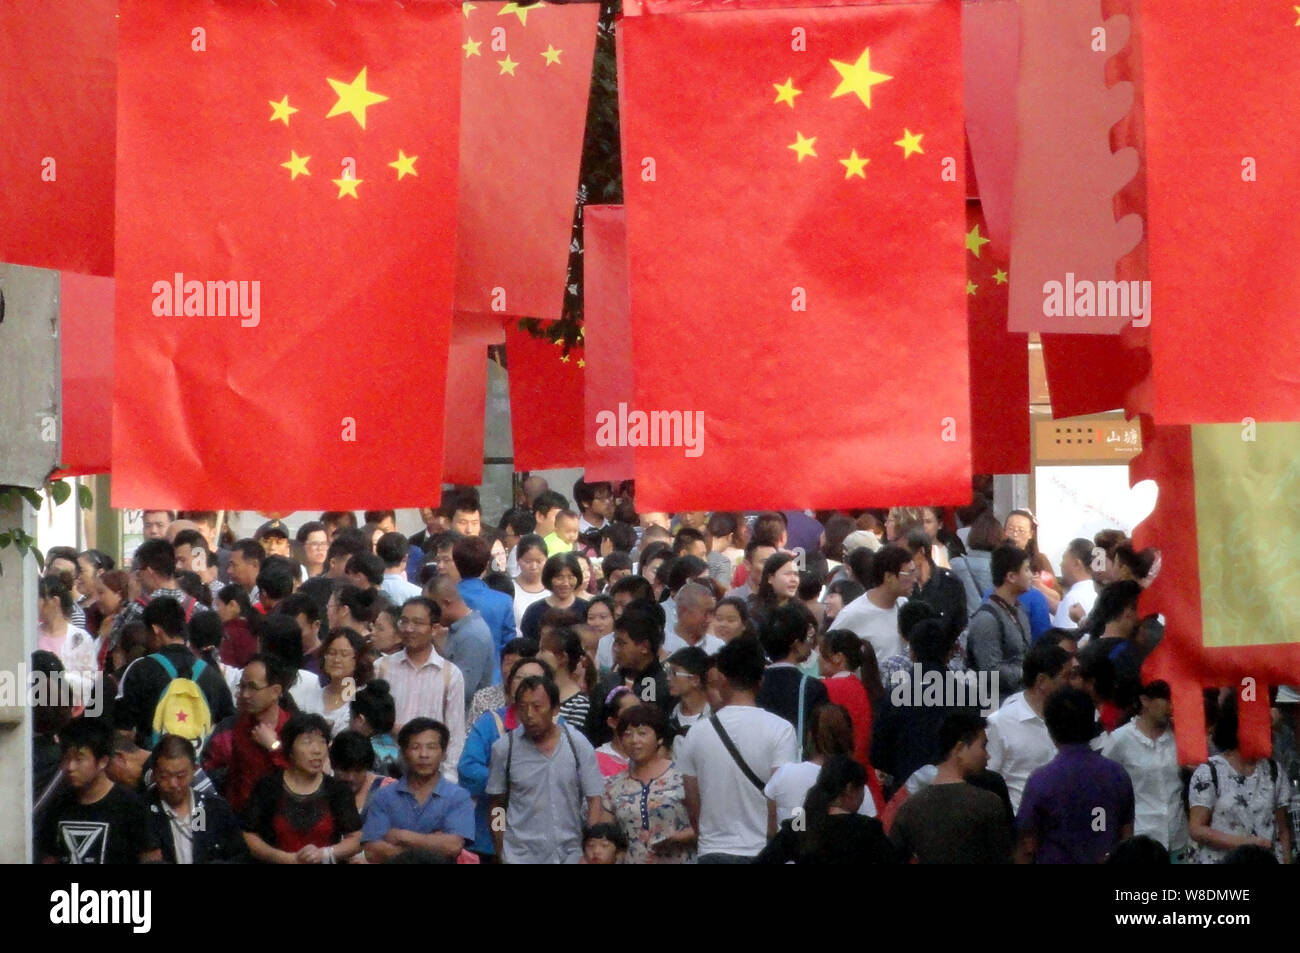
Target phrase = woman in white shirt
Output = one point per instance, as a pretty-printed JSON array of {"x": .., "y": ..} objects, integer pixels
[
  {"x": 530, "y": 556},
  {"x": 74, "y": 646},
  {"x": 830, "y": 732},
  {"x": 347, "y": 667}
]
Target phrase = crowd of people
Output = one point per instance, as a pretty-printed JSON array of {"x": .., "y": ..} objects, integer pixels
[{"x": 590, "y": 684}]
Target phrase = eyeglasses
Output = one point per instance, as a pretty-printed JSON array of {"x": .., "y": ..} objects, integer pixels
[
  {"x": 906, "y": 572},
  {"x": 404, "y": 622},
  {"x": 679, "y": 673}
]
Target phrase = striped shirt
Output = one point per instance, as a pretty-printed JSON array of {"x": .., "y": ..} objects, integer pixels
[{"x": 435, "y": 690}]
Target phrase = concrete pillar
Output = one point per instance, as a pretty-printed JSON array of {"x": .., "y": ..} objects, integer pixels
[{"x": 17, "y": 640}]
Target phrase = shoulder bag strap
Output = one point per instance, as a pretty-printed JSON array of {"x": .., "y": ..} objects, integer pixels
[
  {"x": 735, "y": 754},
  {"x": 803, "y": 686}
]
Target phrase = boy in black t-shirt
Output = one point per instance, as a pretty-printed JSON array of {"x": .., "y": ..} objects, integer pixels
[{"x": 95, "y": 821}]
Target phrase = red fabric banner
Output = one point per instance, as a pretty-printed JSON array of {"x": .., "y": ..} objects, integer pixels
[
  {"x": 609, "y": 374},
  {"x": 284, "y": 196},
  {"x": 466, "y": 405},
  {"x": 999, "y": 362},
  {"x": 546, "y": 394},
  {"x": 86, "y": 340},
  {"x": 791, "y": 199},
  {"x": 526, "y": 74},
  {"x": 58, "y": 70},
  {"x": 1223, "y": 191},
  {"x": 990, "y": 40}
]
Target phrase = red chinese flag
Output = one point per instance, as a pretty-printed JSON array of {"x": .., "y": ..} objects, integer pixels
[
  {"x": 86, "y": 337},
  {"x": 545, "y": 401},
  {"x": 284, "y": 283},
  {"x": 526, "y": 74},
  {"x": 999, "y": 360},
  {"x": 1223, "y": 192},
  {"x": 795, "y": 213},
  {"x": 462, "y": 454},
  {"x": 58, "y": 73},
  {"x": 606, "y": 338}
]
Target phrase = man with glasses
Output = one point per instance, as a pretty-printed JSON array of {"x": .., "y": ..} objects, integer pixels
[
  {"x": 244, "y": 751},
  {"x": 424, "y": 684},
  {"x": 873, "y": 616},
  {"x": 595, "y": 501},
  {"x": 687, "y": 669}
]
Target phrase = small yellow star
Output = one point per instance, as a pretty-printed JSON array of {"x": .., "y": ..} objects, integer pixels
[
  {"x": 582, "y": 362},
  {"x": 559, "y": 343},
  {"x": 297, "y": 165},
  {"x": 551, "y": 55},
  {"x": 803, "y": 147},
  {"x": 470, "y": 46},
  {"x": 354, "y": 98},
  {"x": 1000, "y": 276},
  {"x": 281, "y": 110},
  {"x": 507, "y": 66},
  {"x": 785, "y": 92},
  {"x": 564, "y": 359},
  {"x": 854, "y": 165},
  {"x": 970, "y": 287},
  {"x": 910, "y": 143},
  {"x": 974, "y": 242},
  {"x": 465, "y": 8},
  {"x": 347, "y": 186},
  {"x": 520, "y": 12},
  {"x": 858, "y": 78},
  {"x": 404, "y": 165}
]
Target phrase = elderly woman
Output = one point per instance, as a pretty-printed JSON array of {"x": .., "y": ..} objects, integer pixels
[
  {"x": 648, "y": 800},
  {"x": 562, "y": 575},
  {"x": 347, "y": 668},
  {"x": 301, "y": 815}
]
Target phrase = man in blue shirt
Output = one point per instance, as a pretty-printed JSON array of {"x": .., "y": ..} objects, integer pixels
[
  {"x": 423, "y": 811},
  {"x": 470, "y": 556},
  {"x": 468, "y": 645}
]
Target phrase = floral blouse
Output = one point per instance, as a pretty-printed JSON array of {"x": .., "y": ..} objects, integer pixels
[
  {"x": 648, "y": 813},
  {"x": 1243, "y": 805}
]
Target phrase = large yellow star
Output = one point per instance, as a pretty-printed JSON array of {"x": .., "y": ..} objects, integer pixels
[
  {"x": 465, "y": 8},
  {"x": 858, "y": 78},
  {"x": 1000, "y": 276},
  {"x": 470, "y": 46},
  {"x": 910, "y": 142},
  {"x": 281, "y": 110},
  {"x": 297, "y": 165},
  {"x": 347, "y": 186},
  {"x": 520, "y": 12},
  {"x": 405, "y": 165},
  {"x": 507, "y": 66},
  {"x": 1297, "y": 16},
  {"x": 552, "y": 55},
  {"x": 970, "y": 287},
  {"x": 354, "y": 98},
  {"x": 785, "y": 92},
  {"x": 854, "y": 165},
  {"x": 803, "y": 147},
  {"x": 974, "y": 242}
]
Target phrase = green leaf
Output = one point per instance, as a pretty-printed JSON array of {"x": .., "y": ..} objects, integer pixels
[
  {"x": 5, "y": 539},
  {"x": 60, "y": 491},
  {"x": 85, "y": 498},
  {"x": 31, "y": 496}
]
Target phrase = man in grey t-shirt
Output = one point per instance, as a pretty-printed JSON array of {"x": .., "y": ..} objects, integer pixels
[{"x": 544, "y": 782}]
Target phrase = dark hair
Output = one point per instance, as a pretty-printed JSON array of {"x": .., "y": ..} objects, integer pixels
[
  {"x": 347, "y": 542},
  {"x": 471, "y": 555},
  {"x": 1043, "y": 659},
  {"x": 117, "y": 580},
  {"x": 769, "y": 526},
  {"x": 374, "y": 702},
  {"x": 52, "y": 587},
  {"x": 722, "y": 524},
  {"x": 549, "y": 500},
  {"x": 985, "y": 533},
  {"x": 637, "y": 586},
  {"x": 360, "y": 603},
  {"x": 466, "y": 501},
  {"x": 434, "y": 610},
  {"x": 838, "y": 773},
  {"x": 238, "y": 595},
  {"x": 100, "y": 559},
  {"x": 378, "y": 516},
  {"x": 249, "y": 549},
  {"x": 557, "y": 564},
  {"x": 189, "y": 583},
  {"x": 303, "y": 723},
  {"x": 602, "y": 599},
  {"x": 532, "y": 682},
  {"x": 615, "y": 561},
  {"x": 1156, "y": 689},
  {"x": 276, "y": 577},
  {"x": 683, "y": 569},
  {"x": 528, "y": 542},
  {"x": 166, "y": 613},
  {"x": 911, "y": 614},
  {"x": 1070, "y": 716},
  {"x": 501, "y": 582},
  {"x": 205, "y": 631},
  {"x": 529, "y": 660},
  {"x": 392, "y": 548},
  {"x": 1095, "y": 666},
  {"x": 1007, "y": 559},
  {"x": 888, "y": 561},
  {"x": 781, "y": 630},
  {"x": 692, "y": 658},
  {"x": 642, "y": 622},
  {"x": 1141, "y": 851},
  {"x": 521, "y": 646},
  {"x": 368, "y": 565},
  {"x": 931, "y": 642},
  {"x": 566, "y": 645},
  {"x": 174, "y": 746},
  {"x": 685, "y": 538},
  {"x": 960, "y": 727},
  {"x": 643, "y": 715},
  {"x": 607, "y": 831},
  {"x": 837, "y": 530},
  {"x": 862, "y": 567},
  {"x": 519, "y": 520},
  {"x": 309, "y": 527},
  {"x": 620, "y": 535},
  {"x": 1224, "y": 734},
  {"x": 299, "y": 603},
  {"x": 282, "y": 638},
  {"x": 810, "y": 585},
  {"x": 365, "y": 668},
  {"x": 1055, "y": 636},
  {"x": 352, "y": 751},
  {"x": 155, "y": 554},
  {"x": 87, "y": 732},
  {"x": 765, "y": 594},
  {"x": 1251, "y": 855},
  {"x": 188, "y": 537},
  {"x": 584, "y": 494},
  {"x": 420, "y": 725},
  {"x": 1081, "y": 549},
  {"x": 741, "y": 662},
  {"x": 1112, "y": 601},
  {"x": 830, "y": 731}
]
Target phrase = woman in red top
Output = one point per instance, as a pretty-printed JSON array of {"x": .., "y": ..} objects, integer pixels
[
  {"x": 301, "y": 815},
  {"x": 841, "y": 655}
]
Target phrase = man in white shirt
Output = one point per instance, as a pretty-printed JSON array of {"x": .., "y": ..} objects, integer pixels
[
  {"x": 724, "y": 792},
  {"x": 1082, "y": 592},
  {"x": 695, "y": 605},
  {"x": 394, "y": 549},
  {"x": 1145, "y": 747},
  {"x": 873, "y": 616},
  {"x": 1018, "y": 740},
  {"x": 423, "y": 682}
]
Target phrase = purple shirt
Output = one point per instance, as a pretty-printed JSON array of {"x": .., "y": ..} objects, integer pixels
[{"x": 1062, "y": 806}]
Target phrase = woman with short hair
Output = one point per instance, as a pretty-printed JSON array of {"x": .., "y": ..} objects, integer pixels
[{"x": 648, "y": 799}]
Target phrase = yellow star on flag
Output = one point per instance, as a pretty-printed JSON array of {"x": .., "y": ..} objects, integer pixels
[
  {"x": 970, "y": 287},
  {"x": 552, "y": 55},
  {"x": 405, "y": 165},
  {"x": 354, "y": 98},
  {"x": 507, "y": 66},
  {"x": 1000, "y": 276},
  {"x": 582, "y": 362},
  {"x": 858, "y": 78},
  {"x": 297, "y": 165},
  {"x": 564, "y": 359},
  {"x": 803, "y": 147},
  {"x": 910, "y": 143},
  {"x": 517, "y": 10},
  {"x": 470, "y": 46},
  {"x": 974, "y": 242},
  {"x": 785, "y": 92},
  {"x": 854, "y": 165},
  {"x": 281, "y": 110},
  {"x": 347, "y": 186},
  {"x": 465, "y": 8},
  {"x": 1297, "y": 16}
]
